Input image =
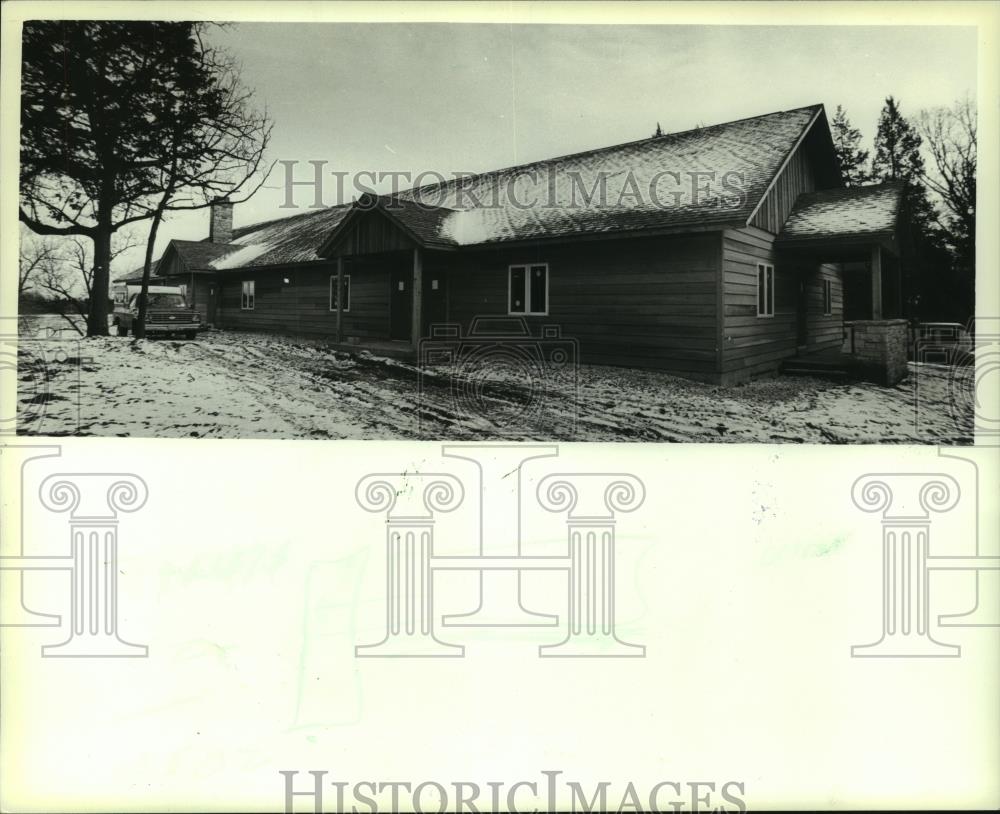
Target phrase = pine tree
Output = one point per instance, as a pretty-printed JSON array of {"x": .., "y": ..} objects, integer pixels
[
  {"x": 846, "y": 143},
  {"x": 897, "y": 147},
  {"x": 659, "y": 131},
  {"x": 926, "y": 262}
]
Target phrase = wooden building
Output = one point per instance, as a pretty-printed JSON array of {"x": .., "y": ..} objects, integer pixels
[{"x": 718, "y": 254}]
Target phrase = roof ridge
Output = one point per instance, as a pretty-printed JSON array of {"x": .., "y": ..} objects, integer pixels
[{"x": 595, "y": 150}]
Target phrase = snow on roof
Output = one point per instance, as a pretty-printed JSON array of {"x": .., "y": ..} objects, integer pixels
[
  {"x": 243, "y": 256},
  {"x": 692, "y": 175},
  {"x": 836, "y": 213},
  {"x": 646, "y": 184}
]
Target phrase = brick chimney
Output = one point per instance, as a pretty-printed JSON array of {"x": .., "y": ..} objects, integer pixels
[{"x": 220, "y": 227}]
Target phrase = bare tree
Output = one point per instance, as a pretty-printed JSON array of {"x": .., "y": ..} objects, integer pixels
[
  {"x": 35, "y": 257},
  {"x": 69, "y": 275},
  {"x": 949, "y": 137},
  {"x": 214, "y": 159}
]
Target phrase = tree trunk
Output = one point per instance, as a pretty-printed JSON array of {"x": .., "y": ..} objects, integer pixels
[
  {"x": 97, "y": 317},
  {"x": 147, "y": 269}
]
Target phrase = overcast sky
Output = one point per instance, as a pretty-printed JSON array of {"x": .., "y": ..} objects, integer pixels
[{"x": 468, "y": 98}]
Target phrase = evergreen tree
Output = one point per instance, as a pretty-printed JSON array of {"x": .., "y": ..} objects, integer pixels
[
  {"x": 110, "y": 108},
  {"x": 897, "y": 158},
  {"x": 897, "y": 147},
  {"x": 846, "y": 143}
]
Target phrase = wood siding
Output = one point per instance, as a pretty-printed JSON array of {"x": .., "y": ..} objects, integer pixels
[
  {"x": 302, "y": 306},
  {"x": 823, "y": 331},
  {"x": 797, "y": 177},
  {"x": 647, "y": 303},
  {"x": 753, "y": 345},
  {"x": 371, "y": 233}
]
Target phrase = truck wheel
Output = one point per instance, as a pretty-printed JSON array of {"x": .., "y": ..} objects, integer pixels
[{"x": 191, "y": 335}]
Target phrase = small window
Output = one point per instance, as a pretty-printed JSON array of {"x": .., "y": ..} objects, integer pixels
[
  {"x": 529, "y": 289},
  {"x": 827, "y": 297},
  {"x": 765, "y": 290},
  {"x": 346, "y": 287},
  {"x": 120, "y": 297},
  {"x": 247, "y": 300}
]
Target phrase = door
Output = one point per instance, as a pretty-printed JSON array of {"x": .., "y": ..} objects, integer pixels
[
  {"x": 802, "y": 313},
  {"x": 401, "y": 305},
  {"x": 435, "y": 309},
  {"x": 212, "y": 302}
]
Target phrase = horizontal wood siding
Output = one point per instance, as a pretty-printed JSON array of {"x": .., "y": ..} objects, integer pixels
[
  {"x": 824, "y": 332},
  {"x": 302, "y": 306},
  {"x": 640, "y": 303},
  {"x": 797, "y": 177},
  {"x": 752, "y": 345}
]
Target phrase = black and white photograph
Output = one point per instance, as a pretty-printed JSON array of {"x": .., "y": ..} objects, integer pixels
[
  {"x": 475, "y": 232},
  {"x": 503, "y": 406}
]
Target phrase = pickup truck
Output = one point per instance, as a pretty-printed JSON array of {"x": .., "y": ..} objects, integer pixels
[{"x": 167, "y": 311}]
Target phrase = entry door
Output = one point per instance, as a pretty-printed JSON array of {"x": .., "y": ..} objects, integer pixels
[
  {"x": 435, "y": 309},
  {"x": 213, "y": 302},
  {"x": 802, "y": 312},
  {"x": 401, "y": 305}
]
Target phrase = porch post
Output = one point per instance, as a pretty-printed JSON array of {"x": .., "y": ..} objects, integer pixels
[
  {"x": 876, "y": 271},
  {"x": 418, "y": 297},
  {"x": 340, "y": 299}
]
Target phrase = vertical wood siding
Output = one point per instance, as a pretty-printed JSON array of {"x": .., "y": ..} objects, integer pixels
[
  {"x": 797, "y": 177},
  {"x": 371, "y": 233}
]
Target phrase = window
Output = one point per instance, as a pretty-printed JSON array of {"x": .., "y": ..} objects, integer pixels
[
  {"x": 765, "y": 290},
  {"x": 827, "y": 297},
  {"x": 528, "y": 288},
  {"x": 246, "y": 302},
  {"x": 347, "y": 292}
]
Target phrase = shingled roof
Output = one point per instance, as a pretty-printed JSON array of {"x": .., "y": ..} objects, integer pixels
[
  {"x": 844, "y": 213},
  {"x": 732, "y": 164},
  {"x": 490, "y": 208}
]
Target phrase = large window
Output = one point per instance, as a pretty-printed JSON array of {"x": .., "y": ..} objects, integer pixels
[
  {"x": 765, "y": 290},
  {"x": 346, "y": 288},
  {"x": 246, "y": 301},
  {"x": 827, "y": 297},
  {"x": 528, "y": 289}
]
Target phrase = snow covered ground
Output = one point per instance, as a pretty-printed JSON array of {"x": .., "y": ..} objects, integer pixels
[{"x": 249, "y": 385}]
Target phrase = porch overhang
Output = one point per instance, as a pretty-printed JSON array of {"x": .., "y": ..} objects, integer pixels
[
  {"x": 417, "y": 226},
  {"x": 840, "y": 248}
]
